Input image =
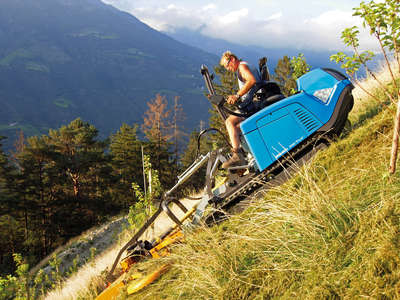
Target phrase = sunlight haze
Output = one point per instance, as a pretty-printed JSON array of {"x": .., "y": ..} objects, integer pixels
[{"x": 315, "y": 25}]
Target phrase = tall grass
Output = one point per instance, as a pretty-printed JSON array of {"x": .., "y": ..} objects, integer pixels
[{"x": 331, "y": 232}]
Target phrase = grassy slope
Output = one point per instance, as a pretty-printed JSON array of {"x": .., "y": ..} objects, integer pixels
[{"x": 331, "y": 232}]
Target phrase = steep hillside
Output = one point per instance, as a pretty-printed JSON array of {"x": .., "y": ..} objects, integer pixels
[
  {"x": 63, "y": 59},
  {"x": 330, "y": 232}
]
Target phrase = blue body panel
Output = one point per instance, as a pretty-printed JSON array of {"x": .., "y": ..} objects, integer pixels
[{"x": 278, "y": 128}]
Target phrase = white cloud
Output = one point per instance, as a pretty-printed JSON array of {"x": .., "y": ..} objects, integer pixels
[
  {"x": 328, "y": 27},
  {"x": 262, "y": 23},
  {"x": 332, "y": 18},
  {"x": 168, "y": 18},
  {"x": 209, "y": 7},
  {"x": 234, "y": 16},
  {"x": 276, "y": 16},
  {"x": 171, "y": 7}
]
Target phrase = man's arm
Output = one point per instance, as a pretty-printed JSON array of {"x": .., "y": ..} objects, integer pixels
[{"x": 249, "y": 80}]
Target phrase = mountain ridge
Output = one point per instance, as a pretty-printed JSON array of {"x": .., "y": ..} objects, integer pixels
[
  {"x": 93, "y": 62},
  {"x": 250, "y": 53}
]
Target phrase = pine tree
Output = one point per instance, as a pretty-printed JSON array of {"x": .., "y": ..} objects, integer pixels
[
  {"x": 5, "y": 170},
  {"x": 125, "y": 150},
  {"x": 76, "y": 152},
  {"x": 11, "y": 231},
  {"x": 36, "y": 194},
  {"x": 61, "y": 186},
  {"x": 86, "y": 170},
  {"x": 284, "y": 76}
]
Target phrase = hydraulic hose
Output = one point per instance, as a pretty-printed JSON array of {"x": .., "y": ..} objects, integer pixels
[{"x": 206, "y": 131}]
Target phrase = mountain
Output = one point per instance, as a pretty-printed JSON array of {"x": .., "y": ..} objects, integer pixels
[
  {"x": 63, "y": 59},
  {"x": 250, "y": 53}
]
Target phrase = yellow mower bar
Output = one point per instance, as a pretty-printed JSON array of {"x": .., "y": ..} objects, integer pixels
[
  {"x": 137, "y": 285},
  {"x": 138, "y": 281}
]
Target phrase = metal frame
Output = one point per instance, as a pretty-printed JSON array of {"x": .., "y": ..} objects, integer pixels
[{"x": 213, "y": 158}]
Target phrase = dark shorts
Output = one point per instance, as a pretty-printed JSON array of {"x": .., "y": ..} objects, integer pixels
[{"x": 246, "y": 104}]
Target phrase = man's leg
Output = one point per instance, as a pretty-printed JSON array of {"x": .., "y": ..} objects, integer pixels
[{"x": 232, "y": 126}]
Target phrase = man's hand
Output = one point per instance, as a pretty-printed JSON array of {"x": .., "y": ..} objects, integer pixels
[{"x": 232, "y": 99}]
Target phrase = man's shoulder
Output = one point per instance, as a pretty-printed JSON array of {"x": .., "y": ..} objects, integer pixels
[{"x": 244, "y": 66}]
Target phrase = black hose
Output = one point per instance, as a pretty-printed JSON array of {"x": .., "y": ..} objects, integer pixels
[{"x": 206, "y": 131}]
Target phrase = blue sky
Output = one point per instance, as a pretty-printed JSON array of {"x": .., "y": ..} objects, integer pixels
[{"x": 307, "y": 24}]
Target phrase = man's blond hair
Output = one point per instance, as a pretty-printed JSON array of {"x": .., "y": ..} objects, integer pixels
[{"x": 226, "y": 56}]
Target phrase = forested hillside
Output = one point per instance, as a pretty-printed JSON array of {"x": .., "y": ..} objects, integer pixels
[
  {"x": 61, "y": 59},
  {"x": 56, "y": 185}
]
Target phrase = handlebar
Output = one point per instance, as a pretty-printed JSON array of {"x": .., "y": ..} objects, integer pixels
[{"x": 217, "y": 100}]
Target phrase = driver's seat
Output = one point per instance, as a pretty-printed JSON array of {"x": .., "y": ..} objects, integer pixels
[{"x": 267, "y": 93}]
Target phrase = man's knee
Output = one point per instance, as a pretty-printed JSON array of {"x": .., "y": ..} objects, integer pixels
[{"x": 229, "y": 122}]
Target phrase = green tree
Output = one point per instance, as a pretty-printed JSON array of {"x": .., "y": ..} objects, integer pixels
[
  {"x": 299, "y": 66},
  {"x": 16, "y": 287},
  {"x": 63, "y": 176},
  {"x": 287, "y": 71},
  {"x": 6, "y": 172},
  {"x": 36, "y": 196},
  {"x": 284, "y": 76},
  {"x": 61, "y": 185},
  {"x": 81, "y": 160},
  {"x": 382, "y": 20},
  {"x": 125, "y": 148},
  {"x": 145, "y": 207},
  {"x": 11, "y": 241},
  {"x": 77, "y": 151},
  {"x": 13, "y": 218}
]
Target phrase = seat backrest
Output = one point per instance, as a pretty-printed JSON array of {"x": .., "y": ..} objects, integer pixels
[
  {"x": 263, "y": 68},
  {"x": 273, "y": 99},
  {"x": 268, "y": 92},
  {"x": 267, "y": 89}
]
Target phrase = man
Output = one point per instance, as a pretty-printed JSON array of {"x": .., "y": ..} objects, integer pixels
[{"x": 248, "y": 77}]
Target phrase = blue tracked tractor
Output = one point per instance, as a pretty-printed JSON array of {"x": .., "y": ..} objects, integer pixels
[{"x": 279, "y": 132}]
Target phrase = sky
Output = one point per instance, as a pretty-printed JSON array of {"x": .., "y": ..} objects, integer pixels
[{"x": 307, "y": 24}]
